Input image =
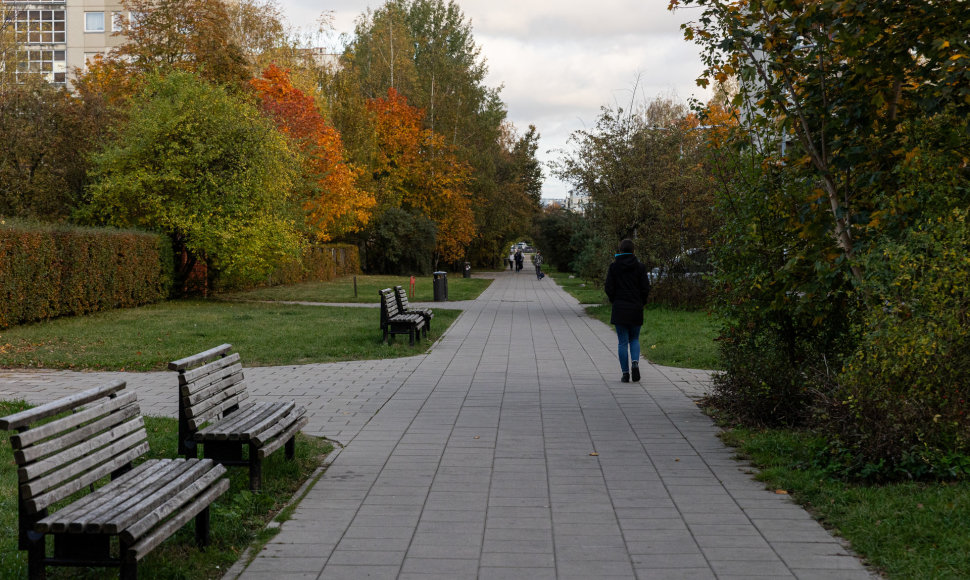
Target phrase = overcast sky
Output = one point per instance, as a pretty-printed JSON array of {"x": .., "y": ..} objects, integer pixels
[{"x": 559, "y": 61}]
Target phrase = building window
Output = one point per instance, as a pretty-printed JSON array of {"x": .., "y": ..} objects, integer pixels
[
  {"x": 40, "y": 26},
  {"x": 94, "y": 22},
  {"x": 119, "y": 22},
  {"x": 49, "y": 64}
]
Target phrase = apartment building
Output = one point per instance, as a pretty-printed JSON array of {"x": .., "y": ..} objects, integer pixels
[{"x": 61, "y": 35}]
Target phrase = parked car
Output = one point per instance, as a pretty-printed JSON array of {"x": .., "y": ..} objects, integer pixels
[{"x": 693, "y": 263}]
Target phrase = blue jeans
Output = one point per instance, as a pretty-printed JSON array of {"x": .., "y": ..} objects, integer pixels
[{"x": 628, "y": 346}]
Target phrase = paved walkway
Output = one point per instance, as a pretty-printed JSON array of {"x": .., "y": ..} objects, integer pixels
[{"x": 512, "y": 450}]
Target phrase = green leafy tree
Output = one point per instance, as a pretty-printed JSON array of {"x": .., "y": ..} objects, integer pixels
[
  {"x": 644, "y": 175},
  {"x": 206, "y": 168}
]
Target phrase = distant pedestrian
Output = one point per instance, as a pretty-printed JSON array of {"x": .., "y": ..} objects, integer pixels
[
  {"x": 537, "y": 260},
  {"x": 627, "y": 287},
  {"x": 518, "y": 260},
  {"x": 511, "y": 260}
]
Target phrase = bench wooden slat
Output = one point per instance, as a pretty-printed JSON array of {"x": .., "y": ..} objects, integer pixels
[
  {"x": 234, "y": 423},
  {"x": 210, "y": 373},
  {"x": 222, "y": 430},
  {"x": 217, "y": 404},
  {"x": 118, "y": 514},
  {"x": 198, "y": 390},
  {"x": 257, "y": 423},
  {"x": 35, "y": 452},
  {"x": 196, "y": 400},
  {"x": 179, "y": 476},
  {"x": 66, "y": 461},
  {"x": 275, "y": 443},
  {"x": 40, "y": 502},
  {"x": 32, "y": 483},
  {"x": 202, "y": 357},
  {"x": 280, "y": 418},
  {"x": 149, "y": 542},
  {"x": 92, "y": 505},
  {"x": 182, "y": 492},
  {"x": 25, "y": 418},
  {"x": 273, "y": 428}
]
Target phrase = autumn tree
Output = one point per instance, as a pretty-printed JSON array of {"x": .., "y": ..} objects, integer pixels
[
  {"x": 333, "y": 203},
  {"x": 853, "y": 146},
  {"x": 188, "y": 35},
  {"x": 425, "y": 51},
  {"x": 416, "y": 171},
  {"x": 204, "y": 167}
]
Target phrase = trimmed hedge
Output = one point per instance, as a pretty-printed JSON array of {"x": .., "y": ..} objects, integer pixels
[
  {"x": 51, "y": 271},
  {"x": 320, "y": 263}
]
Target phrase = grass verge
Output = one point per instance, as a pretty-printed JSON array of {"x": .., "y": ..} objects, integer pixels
[
  {"x": 341, "y": 290},
  {"x": 238, "y": 518},
  {"x": 906, "y": 530},
  {"x": 675, "y": 338},
  {"x": 146, "y": 338}
]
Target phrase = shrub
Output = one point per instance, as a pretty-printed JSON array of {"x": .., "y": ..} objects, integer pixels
[
  {"x": 51, "y": 271},
  {"x": 318, "y": 263},
  {"x": 901, "y": 406}
]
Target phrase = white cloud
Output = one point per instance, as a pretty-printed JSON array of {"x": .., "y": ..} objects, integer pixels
[{"x": 559, "y": 61}]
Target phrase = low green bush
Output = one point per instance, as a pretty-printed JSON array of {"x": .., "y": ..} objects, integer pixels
[{"x": 49, "y": 271}]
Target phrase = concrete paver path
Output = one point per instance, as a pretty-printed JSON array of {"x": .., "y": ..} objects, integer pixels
[{"x": 512, "y": 450}]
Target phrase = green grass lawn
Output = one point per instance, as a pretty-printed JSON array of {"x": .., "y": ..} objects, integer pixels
[
  {"x": 238, "y": 518},
  {"x": 676, "y": 338},
  {"x": 147, "y": 338},
  {"x": 580, "y": 289},
  {"x": 342, "y": 289},
  {"x": 907, "y": 530}
]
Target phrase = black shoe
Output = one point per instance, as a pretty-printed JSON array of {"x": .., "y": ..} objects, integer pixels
[
  {"x": 636, "y": 374},
  {"x": 625, "y": 378}
]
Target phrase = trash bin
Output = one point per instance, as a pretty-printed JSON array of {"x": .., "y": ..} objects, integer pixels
[
  {"x": 440, "y": 282},
  {"x": 468, "y": 270}
]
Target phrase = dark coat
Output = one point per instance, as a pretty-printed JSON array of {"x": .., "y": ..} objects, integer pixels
[{"x": 627, "y": 287}]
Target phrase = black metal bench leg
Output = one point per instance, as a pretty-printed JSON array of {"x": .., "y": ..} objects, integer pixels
[
  {"x": 255, "y": 469},
  {"x": 290, "y": 448},
  {"x": 411, "y": 334},
  {"x": 35, "y": 559},
  {"x": 129, "y": 565},
  {"x": 202, "y": 528}
]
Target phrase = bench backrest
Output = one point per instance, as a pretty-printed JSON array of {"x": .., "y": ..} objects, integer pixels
[
  {"x": 103, "y": 434},
  {"x": 402, "y": 298},
  {"x": 389, "y": 307},
  {"x": 210, "y": 385}
]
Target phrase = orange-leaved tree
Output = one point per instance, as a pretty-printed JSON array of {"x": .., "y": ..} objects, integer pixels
[
  {"x": 414, "y": 169},
  {"x": 333, "y": 203}
]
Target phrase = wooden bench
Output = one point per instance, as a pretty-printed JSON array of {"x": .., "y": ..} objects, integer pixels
[
  {"x": 403, "y": 306},
  {"x": 214, "y": 413},
  {"x": 394, "y": 321},
  {"x": 93, "y": 449}
]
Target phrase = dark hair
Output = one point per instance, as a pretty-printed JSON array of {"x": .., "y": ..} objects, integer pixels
[{"x": 626, "y": 246}]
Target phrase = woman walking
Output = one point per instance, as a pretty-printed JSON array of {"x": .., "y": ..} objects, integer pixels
[{"x": 627, "y": 287}]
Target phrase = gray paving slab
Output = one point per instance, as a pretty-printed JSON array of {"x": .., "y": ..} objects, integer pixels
[{"x": 511, "y": 450}]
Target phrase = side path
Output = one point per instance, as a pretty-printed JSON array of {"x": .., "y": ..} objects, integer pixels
[{"x": 513, "y": 451}]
